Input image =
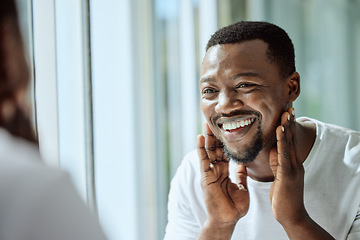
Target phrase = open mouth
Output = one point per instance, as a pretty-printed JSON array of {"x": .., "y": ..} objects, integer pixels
[{"x": 236, "y": 124}]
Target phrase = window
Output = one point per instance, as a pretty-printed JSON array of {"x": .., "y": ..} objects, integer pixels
[{"x": 117, "y": 103}]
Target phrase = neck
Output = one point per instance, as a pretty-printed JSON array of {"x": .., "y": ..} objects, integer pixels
[{"x": 260, "y": 170}]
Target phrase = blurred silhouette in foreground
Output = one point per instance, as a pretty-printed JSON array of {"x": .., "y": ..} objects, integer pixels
[{"x": 36, "y": 202}]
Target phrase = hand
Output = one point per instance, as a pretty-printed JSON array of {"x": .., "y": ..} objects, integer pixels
[
  {"x": 286, "y": 191},
  {"x": 225, "y": 201}
]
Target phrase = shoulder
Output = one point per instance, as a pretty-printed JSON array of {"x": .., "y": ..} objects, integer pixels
[
  {"x": 187, "y": 177},
  {"x": 39, "y": 200},
  {"x": 25, "y": 181},
  {"x": 335, "y": 145},
  {"x": 21, "y": 164},
  {"x": 331, "y": 132},
  {"x": 16, "y": 152},
  {"x": 186, "y": 207},
  {"x": 191, "y": 160},
  {"x": 23, "y": 175},
  {"x": 189, "y": 167}
]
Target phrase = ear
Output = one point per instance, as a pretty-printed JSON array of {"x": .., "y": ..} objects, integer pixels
[{"x": 293, "y": 87}]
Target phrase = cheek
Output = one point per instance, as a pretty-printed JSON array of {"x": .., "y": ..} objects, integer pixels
[
  {"x": 270, "y": 108},
  {"x": 207, "y": 108}
]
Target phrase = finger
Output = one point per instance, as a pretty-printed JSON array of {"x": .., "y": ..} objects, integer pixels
[
  {"x": 221, "y": 164},
  {"x": 289, "y": 127},
  {"x": 241, "y": 176},
  {"x": 293, "y": 132},
  {"x": 210, "y": 143},
  {"x": 219, "y": 152},
  {"x": 273, "y": 161},
  {"x": 284, "y": 161},
  {"x": 203, "y": 157}
]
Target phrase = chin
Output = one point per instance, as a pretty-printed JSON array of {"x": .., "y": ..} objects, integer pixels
[{"x": 247, "y": 154}]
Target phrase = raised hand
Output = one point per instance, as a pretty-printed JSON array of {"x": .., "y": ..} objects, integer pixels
[
  {"x": 226, "y": 202},
  {"x": 287, "y": 190},
  {"x": 286, "y": 193}
]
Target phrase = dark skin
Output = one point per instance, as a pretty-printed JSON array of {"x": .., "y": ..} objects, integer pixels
[{"x": 240, "y": 86}]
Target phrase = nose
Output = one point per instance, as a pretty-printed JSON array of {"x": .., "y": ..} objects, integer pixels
[{"x": 228, "y": 102}]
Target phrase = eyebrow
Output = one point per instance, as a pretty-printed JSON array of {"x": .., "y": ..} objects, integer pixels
[
  {"x": 206, "y": 79},
  {"x": 245, "y": 74}
]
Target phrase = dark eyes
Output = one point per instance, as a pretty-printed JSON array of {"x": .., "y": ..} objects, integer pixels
[
  {"x": 208, "y": 91},
  {"x": 245, "y": 85}
]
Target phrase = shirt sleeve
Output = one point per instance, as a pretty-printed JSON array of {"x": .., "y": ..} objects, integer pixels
[{"x": 182, "y": 223}]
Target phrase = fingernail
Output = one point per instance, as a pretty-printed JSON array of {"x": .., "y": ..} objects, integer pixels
[
  {"x": 288, "y": 117},
  {"x": 293, "y": 112},
  {"x": 282, "y": 129}
]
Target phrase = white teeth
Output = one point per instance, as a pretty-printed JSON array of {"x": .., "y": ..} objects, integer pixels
[
  {"x": 242, "y": 123},
  {"x": 238, "y": 124}
]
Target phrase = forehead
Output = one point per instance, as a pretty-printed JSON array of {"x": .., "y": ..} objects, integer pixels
[{"x": 246, "y": 56}]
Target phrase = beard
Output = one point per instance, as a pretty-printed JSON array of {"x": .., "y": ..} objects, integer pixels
[{"x": 250, "y": 152}]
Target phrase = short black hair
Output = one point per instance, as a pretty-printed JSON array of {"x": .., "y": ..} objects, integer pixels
[{"x": 280, "y": 47}]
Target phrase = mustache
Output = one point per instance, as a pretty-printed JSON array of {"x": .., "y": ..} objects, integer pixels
[{"x": 235, "y": 113}]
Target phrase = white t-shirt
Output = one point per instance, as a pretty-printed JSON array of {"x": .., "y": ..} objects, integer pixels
[
  {"x": 37, "y": 202},
  {"x": 331, "y": 192}
]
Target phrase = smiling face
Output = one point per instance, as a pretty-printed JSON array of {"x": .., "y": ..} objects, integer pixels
[{"x": 242, "y": 97}]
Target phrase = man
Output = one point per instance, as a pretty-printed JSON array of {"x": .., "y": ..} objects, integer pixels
[
  {"x": 36, "y": 202},
  {"x": 259, "y": 173}
]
